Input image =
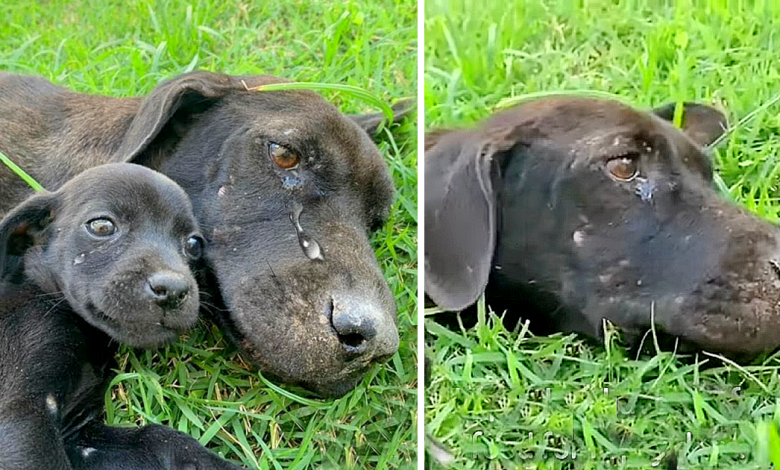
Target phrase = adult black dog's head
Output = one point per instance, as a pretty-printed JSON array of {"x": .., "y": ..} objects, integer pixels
[
  {"x": 582, "y": 209},
  {"x": 115, "y": 242}
]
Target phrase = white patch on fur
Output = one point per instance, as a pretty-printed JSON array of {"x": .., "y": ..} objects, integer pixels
[
  {"x": 51, "y": 404},
  {"x": 87, "y": 451}
]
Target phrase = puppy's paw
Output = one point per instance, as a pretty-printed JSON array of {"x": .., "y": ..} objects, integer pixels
[{"x": 199, "y": 458}]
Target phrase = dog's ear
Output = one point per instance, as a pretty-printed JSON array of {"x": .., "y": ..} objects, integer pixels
[
  {"x": 186, "y": 94},
  {"x": 22, "y": 228},
  {"x": 702, "y": 123},
  {"x": 433, "y": 136},
  {"x": 370, "y": 122},
  {"x": 460, "y": 215}
]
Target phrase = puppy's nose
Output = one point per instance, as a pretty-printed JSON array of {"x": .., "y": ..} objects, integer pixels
[{"x": 168, "y": 289}]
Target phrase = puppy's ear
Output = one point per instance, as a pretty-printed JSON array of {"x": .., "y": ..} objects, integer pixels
[
  {"x": 184, "y": 95},
  {"x": 460, "y": 214},
  {"x": 21, "y": 229},
  {"x": 370, "y": 122},
  {"x": 702, "y": 123}
]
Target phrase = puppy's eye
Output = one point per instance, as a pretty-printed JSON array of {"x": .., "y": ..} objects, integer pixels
[
  {"x": 101, "y": 227},
  {"x": 193, "y": 247},
  {"x": 623, "y": 168},
  {"x": 282, "y": 156}
]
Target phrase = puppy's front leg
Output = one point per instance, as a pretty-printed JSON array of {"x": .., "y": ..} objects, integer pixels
[
  {"x": 153, "y": 447},
  {"x": 30, "y": 440}
]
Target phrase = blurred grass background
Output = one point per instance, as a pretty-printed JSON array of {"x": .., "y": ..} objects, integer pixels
[
  {"x": 200, "y": 385},
  {"x": 507, "y": 400}
]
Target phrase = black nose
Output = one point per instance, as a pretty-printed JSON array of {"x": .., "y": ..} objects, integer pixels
[
  {"x": 355, "y": 329},
  {"x": 167, "y": 289}
]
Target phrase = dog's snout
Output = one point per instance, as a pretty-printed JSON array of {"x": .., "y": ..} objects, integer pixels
[
  {"x": 168, "y": 289},
  {"x": 354, "y": 330},
  {"x": 361, "y": 329}
]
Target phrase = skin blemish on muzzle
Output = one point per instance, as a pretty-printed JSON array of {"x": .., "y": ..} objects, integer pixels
[
  {"x": 308, "y": 244},
  {"x": 80, "y": 258}
]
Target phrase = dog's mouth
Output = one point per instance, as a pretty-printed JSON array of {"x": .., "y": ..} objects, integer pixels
[
  {"x": 146, "y": 335},
  {"x": 104, "y": 320}
]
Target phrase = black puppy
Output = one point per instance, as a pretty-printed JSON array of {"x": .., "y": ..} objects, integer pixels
[
  {"x": 572, "y": 210},
  {"x": 105, "y": 256}
]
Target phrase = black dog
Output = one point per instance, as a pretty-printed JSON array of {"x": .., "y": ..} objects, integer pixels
[
  {"x": 317, "y": 315},
  {"x": 573, "y": 210},
  {"x": 105, "y": 256}
]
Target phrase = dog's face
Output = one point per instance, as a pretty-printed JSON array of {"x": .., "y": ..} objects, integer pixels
[
  {"x": 116, "y": 242},
  {"x": 595, "y": 210},
  {"x": 287, "y": 212}
]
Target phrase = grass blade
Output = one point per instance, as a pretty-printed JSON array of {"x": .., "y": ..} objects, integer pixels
[
  {"x": 357, "y": 92},
  {"x": 20, "y": 173}
]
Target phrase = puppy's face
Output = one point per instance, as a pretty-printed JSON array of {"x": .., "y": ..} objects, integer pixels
[{"x": 117, "y": 242}]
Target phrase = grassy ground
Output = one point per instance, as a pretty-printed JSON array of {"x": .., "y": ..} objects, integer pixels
[
  {"x": 503, "y": 399},
  {"x": 199, "y": 385}
]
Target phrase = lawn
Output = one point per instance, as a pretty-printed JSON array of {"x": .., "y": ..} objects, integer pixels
[
  {"x": 200, "y": 385},
  {"x": 503, "y": 399}
]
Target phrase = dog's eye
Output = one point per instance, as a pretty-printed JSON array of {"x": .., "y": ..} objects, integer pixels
[
  {"x": 193, "y": 247},
  {"x": 623, "y": 168},
  {"x": 282, "y": 156},
  {"x": 101, "y": 227}
]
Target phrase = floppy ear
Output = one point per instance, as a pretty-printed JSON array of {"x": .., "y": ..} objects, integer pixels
[
  {"x": 191, "y": 92},
  {"x": 702, "y": 123},
  {"x": 433, "y": 136},
  {"x": 370, "y": 122},
  {"x": 460, "y": 217},
  {"x": 21, "y": 229}
]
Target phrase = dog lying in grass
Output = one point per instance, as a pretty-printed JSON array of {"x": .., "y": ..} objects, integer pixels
[
  {"x": 105, "y": 258},
  {"x": 569, "y": 211},
  {"x": 248, "y": 160}
]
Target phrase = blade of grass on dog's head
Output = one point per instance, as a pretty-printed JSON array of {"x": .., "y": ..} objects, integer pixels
[
  {"x": 515, "y": 100},
  {"x": 20, "y": 173},
  {"x": 357, "y": 92}
]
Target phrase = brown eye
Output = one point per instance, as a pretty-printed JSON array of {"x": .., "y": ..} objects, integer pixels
[
  {"x": 623, "y": 168},
  {"x": 282, "y": 156},
  {"x": 101, "y": 227}
]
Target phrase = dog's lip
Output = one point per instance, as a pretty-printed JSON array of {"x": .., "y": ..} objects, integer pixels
[
  {"x": 101, "y": 317},
  {"x": 113, "y": 325}
]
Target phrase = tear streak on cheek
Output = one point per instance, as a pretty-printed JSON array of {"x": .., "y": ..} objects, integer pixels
[{"x": 645, "y": 189}]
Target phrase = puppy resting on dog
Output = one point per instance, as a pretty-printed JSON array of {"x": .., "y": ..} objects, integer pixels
[{"x": 104, "y": 257}]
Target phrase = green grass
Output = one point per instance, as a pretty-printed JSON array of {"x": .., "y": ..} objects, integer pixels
[
  {"x": 488, "y": 400},
  {"x": 200, "y": 385}
]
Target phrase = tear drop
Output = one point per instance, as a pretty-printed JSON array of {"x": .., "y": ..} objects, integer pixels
[
  {"x": 308, "y": 244},
  {"x": 79, "y": 259},
  {"x": 645, "y": 189}
]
